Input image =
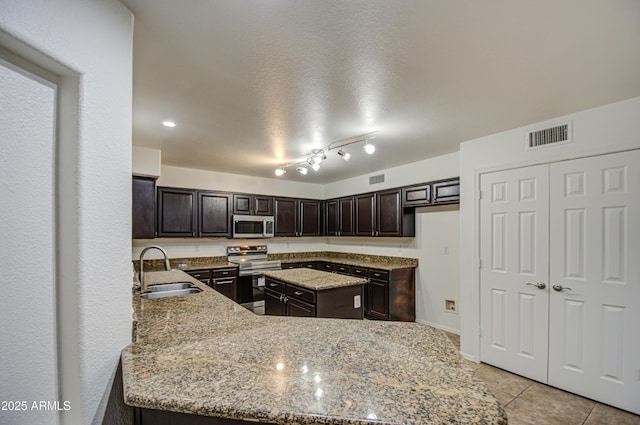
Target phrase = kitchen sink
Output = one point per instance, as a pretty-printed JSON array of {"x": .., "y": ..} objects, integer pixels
[
  {"x": 169, "y": 286},
  {"x": 173, "y": 293}
]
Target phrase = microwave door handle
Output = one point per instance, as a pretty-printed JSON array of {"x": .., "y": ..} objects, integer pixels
[{"x": 264, "y": 227}]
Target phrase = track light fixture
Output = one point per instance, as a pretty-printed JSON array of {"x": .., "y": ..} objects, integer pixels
[{"x": 317, "y": 156}]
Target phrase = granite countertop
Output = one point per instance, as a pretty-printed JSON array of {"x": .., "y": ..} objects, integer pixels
[
  {"x": 206, "y": 355},
  {"x": 315, "y": 280},
  {"x": 350, "y": 259}
]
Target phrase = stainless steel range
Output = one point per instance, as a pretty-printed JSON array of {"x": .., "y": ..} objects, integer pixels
[{"x": 252, "y": 261}]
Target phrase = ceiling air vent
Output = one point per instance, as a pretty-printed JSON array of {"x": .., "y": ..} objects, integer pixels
[
  {"x": 549, "y": 136},
  {"x": 376, "y": 179}
]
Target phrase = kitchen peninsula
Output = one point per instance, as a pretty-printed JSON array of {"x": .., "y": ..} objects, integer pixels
[{"x": 202, "y": 358}]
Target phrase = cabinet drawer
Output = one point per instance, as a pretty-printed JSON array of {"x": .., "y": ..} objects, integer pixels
[
  {"x": 359, "y": 271},
  {"x": 216, "y": 273},
  {"x": 301, "y": 293},
  {"x": 327, "y": 267},
  {"x": 343, "y": 269},
  {"x": 379, "y": 274},
  {"x": 201, "y": 275},
  {"x": 224, "y": 281},
  {"x": 274, "y": 285}
]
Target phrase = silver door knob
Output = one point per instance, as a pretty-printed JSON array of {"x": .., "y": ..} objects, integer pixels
[
  {"x": 539, "y": 285},
  {"x": 560, "y": 288}
]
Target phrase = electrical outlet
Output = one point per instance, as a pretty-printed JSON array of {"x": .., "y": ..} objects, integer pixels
[
  {"x": 450, "y": 306},
  {"x": 356, "y": 301},
  {"x": 445, "y": 250}
]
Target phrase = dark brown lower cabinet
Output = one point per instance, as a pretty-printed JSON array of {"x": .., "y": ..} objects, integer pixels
[
  {"x": 285, "y": 299},
  {"x": 161, "y": 417},
  {"x": 224, "y": 280},
  {"x": 389, "y": 295}
]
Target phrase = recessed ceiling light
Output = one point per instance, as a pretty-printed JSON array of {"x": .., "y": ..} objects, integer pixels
[
  {"x": 280, "y": 172},
  {"x": 168, "y": 123}
]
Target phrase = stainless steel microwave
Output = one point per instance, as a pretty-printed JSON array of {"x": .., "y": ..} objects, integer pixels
[{"x": 253, "y": 226}]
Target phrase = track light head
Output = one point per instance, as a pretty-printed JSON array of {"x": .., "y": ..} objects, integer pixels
[
  {"x": 302, "y": 170},
  {"x": 369, "y": 148},
  {"x": 280, "y": 171},
  {"x": 345, "y": 155}
]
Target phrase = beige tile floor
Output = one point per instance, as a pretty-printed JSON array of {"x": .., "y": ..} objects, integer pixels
[{"x": 530, "y": 403}]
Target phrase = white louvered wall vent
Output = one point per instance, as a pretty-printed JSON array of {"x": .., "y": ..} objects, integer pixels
[
  {"x": 376, "y": 179},
  {"x": 549, "y": 136}
]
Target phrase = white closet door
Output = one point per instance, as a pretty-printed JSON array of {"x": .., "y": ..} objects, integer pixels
[
  {"x": 514, "y": 223},
  {"x": 594, "y": 332}
]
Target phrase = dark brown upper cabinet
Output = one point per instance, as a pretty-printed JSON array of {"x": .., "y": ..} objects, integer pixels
[
  {"x": 416, "y": 196},
  {"x": 446, "y": 192},
  {"x": 381, "y": 214},
  {"x": 433, "y": 193},
  {"x": 297, "y": 217},
  {"x": 339, "y": 217},
  {"x": 143, "y": 211},
  {"x": 214, "y": 214},
  {"x": 365, "y": 214},
  {"x": 248, "y": 204},
  {"x": 176, "y": 212}
]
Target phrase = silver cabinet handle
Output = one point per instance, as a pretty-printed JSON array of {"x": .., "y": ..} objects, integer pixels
[
  {"x": 560, "y": 288},
  {"x": 281, "y": 297},
  {"x": 273, "y": 284},
  {"x": 223, "y": 282},
  {"x": 298, "y": 293},
  {"x": 539, "y": 285},
  {"x": 285, "y": 300}
]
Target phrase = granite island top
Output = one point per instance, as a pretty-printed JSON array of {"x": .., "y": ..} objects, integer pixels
[
  {"x": 204, "y": 354},
  {"x": 315, "y": 280}
]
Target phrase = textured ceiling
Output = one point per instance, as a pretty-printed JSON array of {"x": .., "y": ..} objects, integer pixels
[{"x": 254, "y": 84}]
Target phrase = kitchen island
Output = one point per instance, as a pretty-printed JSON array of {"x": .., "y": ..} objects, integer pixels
[
  {"x": 202, "y": 358},
  {"x": 313, "y": 293}
]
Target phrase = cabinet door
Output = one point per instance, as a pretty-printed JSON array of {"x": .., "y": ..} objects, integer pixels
[
  {"x": 331, "y": 217},
  {"x": 286, "y": 216},
  {"x": 176, "y": 212},
  {"x": 389, "y": 213},
  {"x": 273, "y": 303},
  {"x": 416, "y": 196},
  {"x": 345, "y": 224},
  {"x": 143, "y": 203},
  {"x": 365, "y": 214},
  {"x": 446, "y": 192},
  {"x": 377, "y": 299},
  {"x": 262, "y": 205},
  {"x": 227, "y": 287},
  {"x": 310, "y": 218},
  {"x": 300, "y": 309},
  {"x": 242, "y": 204},
  {"x": 214, "y": 215}
]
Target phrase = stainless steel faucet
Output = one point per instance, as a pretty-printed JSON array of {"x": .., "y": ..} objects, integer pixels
[{"x": 166, "y": 262}]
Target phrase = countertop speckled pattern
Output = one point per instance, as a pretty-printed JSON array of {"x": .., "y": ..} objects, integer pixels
[
  {"x": 206, "y": 355},
  {"x": 349, "y": 259},
  {"x": 314, "y": 279}
]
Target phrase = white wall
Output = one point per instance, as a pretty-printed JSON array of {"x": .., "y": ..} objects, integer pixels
[
  {"x": 437, "y": 168},
  {"x": 600, "y": 130},
  {"x": 27, "y": 142},
  {"x": 93, "y": 175},
  {"x": 146, "y": 162},
  {"x": 213, "y": 180}
]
